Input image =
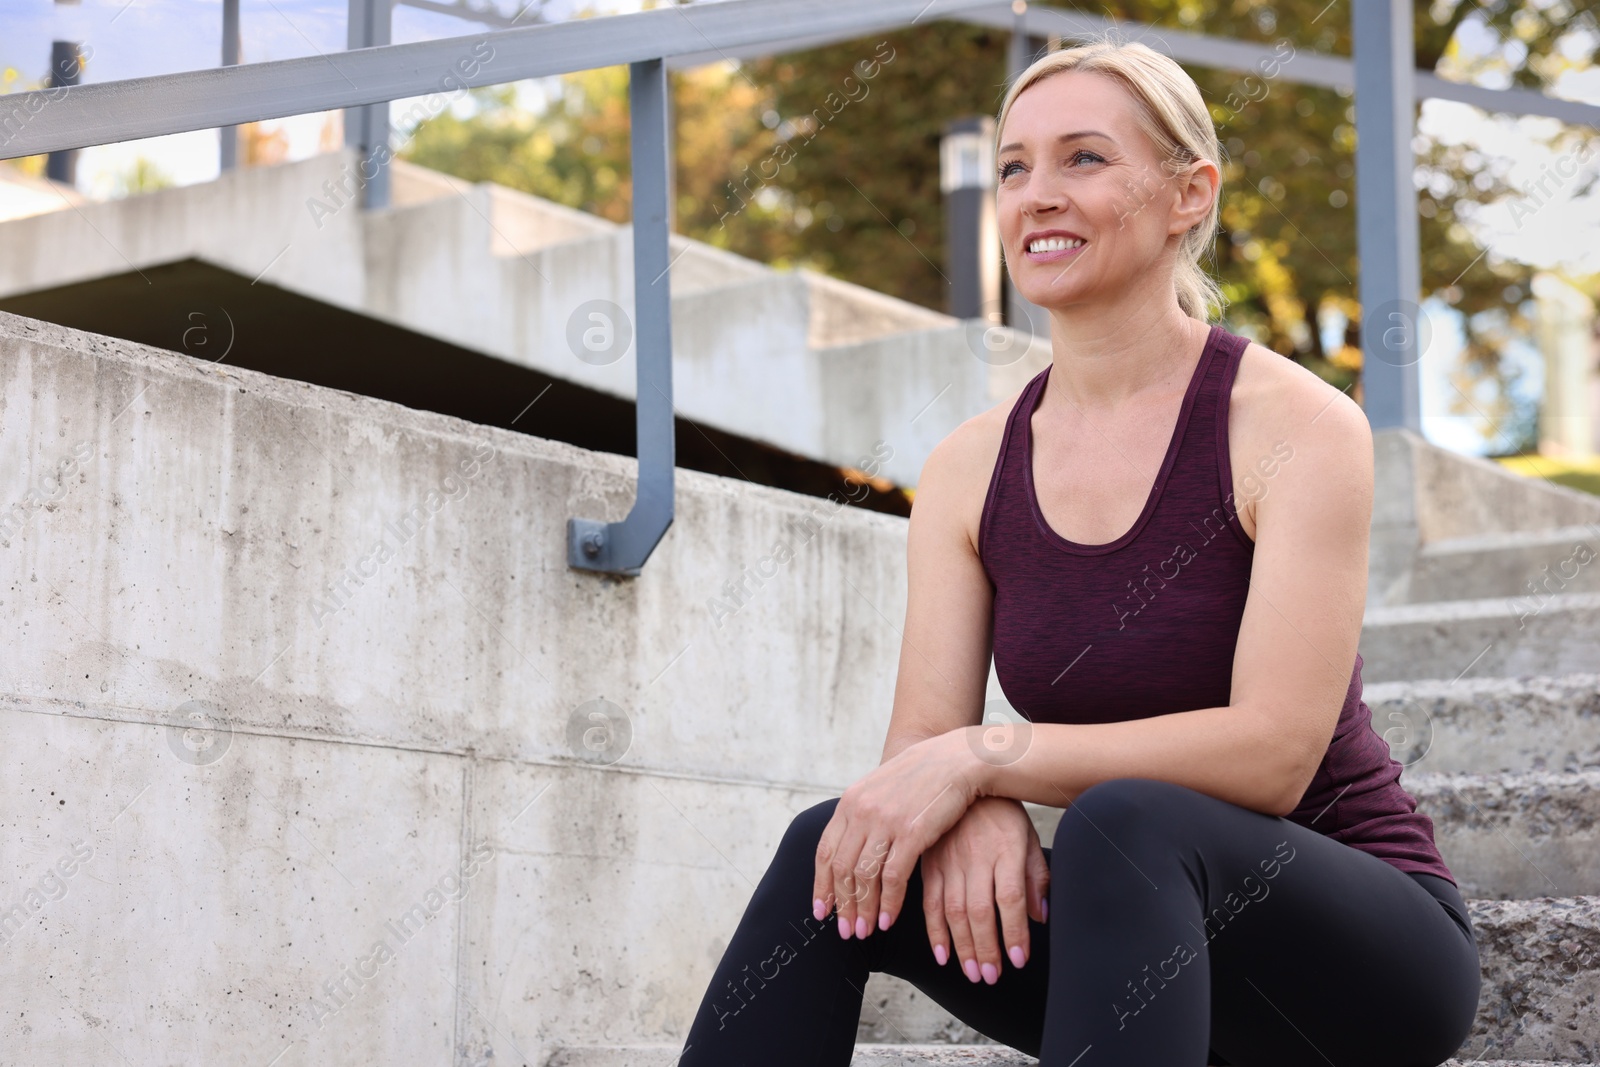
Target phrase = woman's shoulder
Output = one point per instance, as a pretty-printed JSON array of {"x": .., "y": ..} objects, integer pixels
[
  {"x": 1275, "y": 396},
  {"x": 955, "y": 478},
  {"x": 1280, "y": 408}
]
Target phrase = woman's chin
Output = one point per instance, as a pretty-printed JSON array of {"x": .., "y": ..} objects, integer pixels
[{"x": 1060, "y": 299}]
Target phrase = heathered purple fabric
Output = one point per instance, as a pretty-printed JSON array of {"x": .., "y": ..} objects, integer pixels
[{"x": 1146, "y": 624}]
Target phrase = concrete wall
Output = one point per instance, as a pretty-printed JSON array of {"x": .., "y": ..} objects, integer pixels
[{"x": 236, "y": 771}]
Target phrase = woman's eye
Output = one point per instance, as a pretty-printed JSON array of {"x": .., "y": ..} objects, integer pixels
[
  {"x": 1005, "y": 169},
  {"x": 1086, "y": 155}
]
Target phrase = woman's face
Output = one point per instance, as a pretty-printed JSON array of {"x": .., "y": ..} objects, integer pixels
[{"x": 1086, "y": 204}]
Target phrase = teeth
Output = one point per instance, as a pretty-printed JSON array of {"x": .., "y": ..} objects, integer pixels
[{"x": 1054, "y": 244}]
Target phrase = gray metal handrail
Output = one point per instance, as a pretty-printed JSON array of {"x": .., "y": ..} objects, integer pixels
[{"x": 136, "y": 108}]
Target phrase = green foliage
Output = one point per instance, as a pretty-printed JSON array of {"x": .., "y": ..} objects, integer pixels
[{"x": 140, "y": 176}]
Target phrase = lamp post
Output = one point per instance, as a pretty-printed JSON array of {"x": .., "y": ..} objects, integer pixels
[
  {"x": 966, "y": 178},
  {"x": 66, "y": 65}
]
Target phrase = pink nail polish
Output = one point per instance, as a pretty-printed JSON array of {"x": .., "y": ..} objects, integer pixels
[
  {"x": 941, "y": 954},
  {"x": 970, "y": 968},
  {"x": 991, "y": 974},
  {"x": 817, "y": 910},
  {"x": 844, "y": 928},
  {"x": 883, "y": 920},
  {"x": 1016, "y": 955},
  {"x": 861, "y": 927},
  {"x": 1044, "y": 909}
]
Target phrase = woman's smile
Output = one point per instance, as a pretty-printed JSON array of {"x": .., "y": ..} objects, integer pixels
[{"x": 1051, "y": 249}]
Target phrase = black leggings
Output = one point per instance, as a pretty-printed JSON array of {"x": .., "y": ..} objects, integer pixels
[{"x": 1183, "y": 930}]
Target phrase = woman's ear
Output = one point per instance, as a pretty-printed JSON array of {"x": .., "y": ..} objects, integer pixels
[{"x": 1197, "y": 190}]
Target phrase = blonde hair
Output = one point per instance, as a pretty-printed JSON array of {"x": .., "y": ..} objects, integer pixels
[{"x": 1174, "y": 116}]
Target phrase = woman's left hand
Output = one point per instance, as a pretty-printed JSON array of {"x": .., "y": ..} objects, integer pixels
[{"x": 882, "y": 825}]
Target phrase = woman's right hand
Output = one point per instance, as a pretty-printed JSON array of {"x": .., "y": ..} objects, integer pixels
[{"x": 991, "y": 857}]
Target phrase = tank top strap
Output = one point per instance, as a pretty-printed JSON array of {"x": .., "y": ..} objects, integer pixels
[
  {"x": 1205, "y": 455},
  {"x": 1006, "y": 463}
]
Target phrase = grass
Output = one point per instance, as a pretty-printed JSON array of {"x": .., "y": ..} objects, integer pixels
[{"x": 1578, "y": 472}]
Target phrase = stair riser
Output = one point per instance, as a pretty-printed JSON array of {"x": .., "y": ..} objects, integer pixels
[
  {"x": 1530, "y": 571},
  {"x": 1508, "y": 642},
  {"x": 1487, "y": 728},
  {"x": 1518, "y": 836}
]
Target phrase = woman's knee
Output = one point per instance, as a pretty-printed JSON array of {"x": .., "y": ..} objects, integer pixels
[
  {"x": 805, "y": 829},
  {"x": 1123, "y": 809}
]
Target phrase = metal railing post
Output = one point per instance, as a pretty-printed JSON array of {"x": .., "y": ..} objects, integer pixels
[
  {"x": 229, "y": 135},
  {"x": 1386, "y": 213},
  {"x": 622, "y": 547},
  {"x": 367, "y": 127}
]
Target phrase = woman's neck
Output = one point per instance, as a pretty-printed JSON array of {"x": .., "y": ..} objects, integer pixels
[{"x": 1107, "y": 353}]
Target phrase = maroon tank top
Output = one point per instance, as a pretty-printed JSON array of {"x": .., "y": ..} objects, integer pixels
[{"x": 1146, "y": 624}]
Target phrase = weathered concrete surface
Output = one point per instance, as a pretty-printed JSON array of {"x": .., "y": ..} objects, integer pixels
[
  {"x": 1541, "y": 978},
  {"x": 230, "y": 912},
  {"x": 1506, "y": 637},
  {"x": 1490, "y": 724},
  {"x": 179, "y": 531},
  {"x": 1515, "y": 835}
]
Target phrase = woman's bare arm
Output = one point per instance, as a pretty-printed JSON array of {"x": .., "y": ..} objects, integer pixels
[{"x": 945, "y": 645}]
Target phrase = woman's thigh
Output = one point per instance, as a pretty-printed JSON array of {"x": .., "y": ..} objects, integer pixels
[{"x": 1312, "y": 950}]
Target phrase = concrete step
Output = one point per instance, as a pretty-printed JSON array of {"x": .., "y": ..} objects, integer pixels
[
  {"x": 897, "y": 1056},
  {"x": 1483, "y": 725},
  {"x": 1504, "y": 637},
  {"x": 1509, "y": 836},
  {"x": 1541, "y": 968},
  {"x": 1527, "y": 564}
]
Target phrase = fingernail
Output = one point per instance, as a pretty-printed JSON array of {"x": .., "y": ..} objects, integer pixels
[
  {"x": 844, "y": 928},
  {"x": 991, "y": 973},
  {"x": 941, "y": 954},
  {"x": 970, "y": 967},
  {"x": 1016, "y": 955},
  {"x": 861, "y": 927},
  {"x": 883, "y": 920},
  {"x": 817, "y": 911},
  {"x": 1044, "y": 909}
]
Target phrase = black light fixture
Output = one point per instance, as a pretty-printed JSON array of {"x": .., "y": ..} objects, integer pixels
[{"x": 966, "y": 178}]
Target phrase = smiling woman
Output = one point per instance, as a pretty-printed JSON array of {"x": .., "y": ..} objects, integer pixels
[{"x": 1195, "y": 729}]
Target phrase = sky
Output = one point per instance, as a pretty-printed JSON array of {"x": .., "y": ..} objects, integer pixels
[
  {"x": 146, "y": 37},
  {"x": 1557, "y": 228}
]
